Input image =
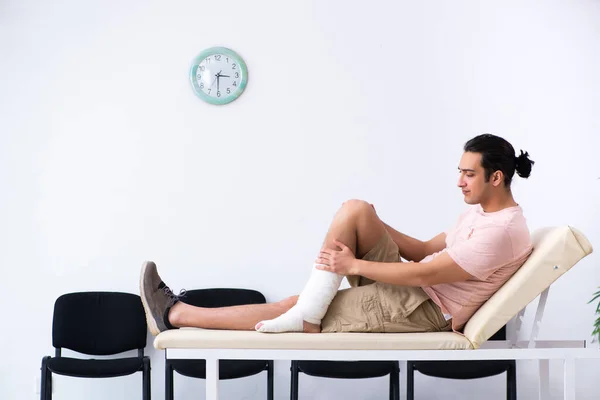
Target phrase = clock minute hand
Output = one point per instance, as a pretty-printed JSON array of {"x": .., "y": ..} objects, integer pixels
[
  {"x": 218, "y": 76},
  {"x": 213, "y": 81}
]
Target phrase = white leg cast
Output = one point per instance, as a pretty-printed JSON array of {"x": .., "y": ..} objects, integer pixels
[
  {"x": 321, "y": 288},
  {"x": 544, "y": 379},
  {"x": 569, "y": 379},
  {"x": 212, "y": 379}
]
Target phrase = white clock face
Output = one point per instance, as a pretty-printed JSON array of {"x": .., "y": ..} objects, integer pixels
[{"x": 219, "y": 76}]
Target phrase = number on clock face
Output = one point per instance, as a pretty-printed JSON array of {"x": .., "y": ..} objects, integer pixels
[{"x": 218, "y": 75}]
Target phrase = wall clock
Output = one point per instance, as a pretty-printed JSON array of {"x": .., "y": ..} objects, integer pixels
[{"x": 218, "y": 75}]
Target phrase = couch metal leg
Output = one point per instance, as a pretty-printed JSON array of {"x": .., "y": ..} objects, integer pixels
[
  {"x": 212, "y": 379},
  {"x": 569, "y": 369},
  {"x": 544, "y": 373}
]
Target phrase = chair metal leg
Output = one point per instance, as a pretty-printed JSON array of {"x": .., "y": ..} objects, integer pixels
[
  {"x": 294, "y": 383},
  {"x": 511, "y": 382},
  {"x": 270, "y": 380},
  {"x": 395, "y": 383},
  {"x": 146, "y": 382},
  {"x": 49, "y": 386},
  {"x": 168, "y": 380},
  {"x": 43, "y": 379},
  {"x": 410, "y": 381},
  {"x": 46, "y": 380}
]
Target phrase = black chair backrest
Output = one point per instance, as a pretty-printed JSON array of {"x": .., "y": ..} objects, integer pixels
[
  {"x": 223, "y": 297},
  {"x": 99, "y": 323}
]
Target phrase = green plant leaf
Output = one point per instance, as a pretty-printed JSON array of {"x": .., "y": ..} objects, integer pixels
[
  {"x": 596, "y": 331},
  {"x": 596, "y": 296}
]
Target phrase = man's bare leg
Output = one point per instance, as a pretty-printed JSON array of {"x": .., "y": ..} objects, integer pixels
[
  {"x": 357, "y": 226},
  {"x": 164, "y": 310},
  {"x": 243, "y": 317}
]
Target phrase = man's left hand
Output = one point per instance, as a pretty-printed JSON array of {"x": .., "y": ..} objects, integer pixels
[{"x": 341, "y": 262}]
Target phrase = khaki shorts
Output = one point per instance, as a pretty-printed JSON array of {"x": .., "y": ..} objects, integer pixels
[{"x": 369, "y": 306}]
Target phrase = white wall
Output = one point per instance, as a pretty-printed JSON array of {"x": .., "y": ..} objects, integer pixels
[{"x": 108, "y": 159}]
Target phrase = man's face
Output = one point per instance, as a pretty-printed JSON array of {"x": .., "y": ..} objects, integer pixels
[{"x": 472, "y": 178}]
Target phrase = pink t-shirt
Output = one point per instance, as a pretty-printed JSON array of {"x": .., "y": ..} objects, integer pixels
[{"x": 489, "y": 246}]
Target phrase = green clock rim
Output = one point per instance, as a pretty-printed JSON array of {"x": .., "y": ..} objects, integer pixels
[{"x": 224, "y": 51}]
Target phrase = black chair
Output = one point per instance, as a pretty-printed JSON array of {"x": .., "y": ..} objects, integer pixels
[
  {"x": 465, "y": 370},
  {"x": 347, "y": 370},
  {"x": 97, "y": 324},
  {"x": 228, "y": 369}
]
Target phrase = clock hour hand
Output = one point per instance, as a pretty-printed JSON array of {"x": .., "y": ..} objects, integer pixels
[{"x": 224, "y": 76}]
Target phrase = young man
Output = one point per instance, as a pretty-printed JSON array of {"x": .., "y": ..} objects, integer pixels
[{"x": 445, "y": 280}]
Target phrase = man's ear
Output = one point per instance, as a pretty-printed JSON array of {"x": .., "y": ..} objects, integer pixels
[{"x": 497, "y": 178}]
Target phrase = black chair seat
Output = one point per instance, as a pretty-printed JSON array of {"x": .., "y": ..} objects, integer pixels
[
  {"x": 228, "y": 369},
  {"x": 347, "y": 369},
  {"x": 94, "y": 368},
  {"x": 463, "y": 369}
]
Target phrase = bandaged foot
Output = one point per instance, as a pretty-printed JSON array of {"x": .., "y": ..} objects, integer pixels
[{"x": 311, "y": 307}]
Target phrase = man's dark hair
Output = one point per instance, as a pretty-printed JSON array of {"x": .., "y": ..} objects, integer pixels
[{"x": 497, "y": 154}]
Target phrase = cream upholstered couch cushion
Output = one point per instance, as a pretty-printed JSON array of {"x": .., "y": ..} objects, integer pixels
[
  {"x": 556, "y": 250},
  {"x": 194, "y": 338}
]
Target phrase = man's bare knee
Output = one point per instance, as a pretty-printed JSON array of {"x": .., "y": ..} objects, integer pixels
[{"x": 357, "y": 206}]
